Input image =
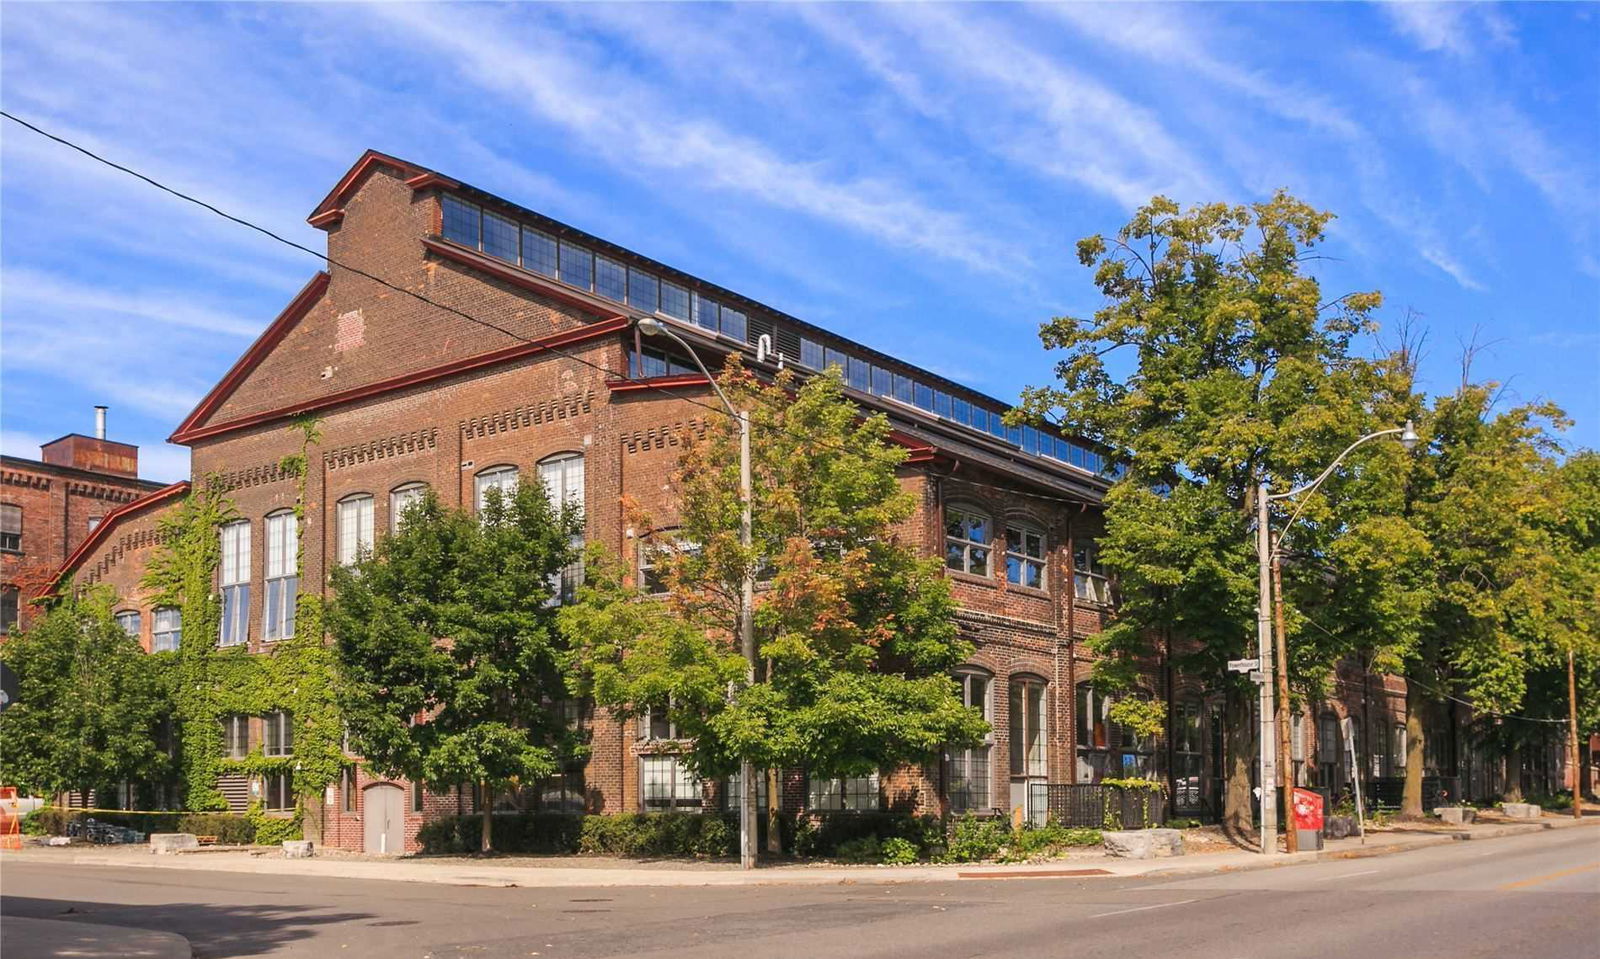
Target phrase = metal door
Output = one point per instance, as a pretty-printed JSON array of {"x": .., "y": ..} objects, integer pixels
[{"x": 383, "y": 819}]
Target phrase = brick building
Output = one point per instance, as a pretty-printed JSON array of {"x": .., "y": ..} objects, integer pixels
[
  {"x": 51, "y": 505},
  {"x": 412, "y": 395}
]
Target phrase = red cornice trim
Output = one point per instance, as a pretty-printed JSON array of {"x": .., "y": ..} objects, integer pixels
[
  {"x": 424, "y": 180},
  {"x": 326, "y": 217},
  {"x": 264, "y": 344},
  {"x": 518, "y": 277},
  {"x": 180, "y": 488},
  {"x": 675, "y": 381},
  {"x": 347, "y": 183},
  {"x": 606, "y": 327}
]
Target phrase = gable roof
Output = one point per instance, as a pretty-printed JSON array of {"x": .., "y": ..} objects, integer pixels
[
  {"x": 331, "y": 209},
  {"x": 112, "y": 519}
]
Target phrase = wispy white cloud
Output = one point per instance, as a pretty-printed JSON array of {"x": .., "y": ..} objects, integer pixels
[
  {"x": 28, "y": 287},
  {"x": 1431, "y": 25}
]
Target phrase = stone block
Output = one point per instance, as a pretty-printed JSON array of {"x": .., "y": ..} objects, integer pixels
[
  {"x": 1143, "y": 843},
  {"x": 1339, "y": 827},
  {"x": 166, "y": 843},
  {"x": 297, "y": 849},
  {"x": 1521, "y": 810},
  {"x": 1456, "y": 815}
]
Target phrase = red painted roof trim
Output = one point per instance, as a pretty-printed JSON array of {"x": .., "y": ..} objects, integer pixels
[
  {"x": 180, "y": 488},
  {"x": 545, "y": 344},
  {"x": 327, "y": 217},
  {"x": 675, "y": 381},
  {"x": 264, "y": 344},
  {"x": 424, "y": 180},
  {"x": 341, "y": 191}
]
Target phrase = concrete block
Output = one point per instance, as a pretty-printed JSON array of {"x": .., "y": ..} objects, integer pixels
[
  {"x": 297, "y": 849},
  {"x": 1339, "y": 827},
  {"x": 1521, "y": 810},
  {"x": 1143, "y": 843},
  {"x": 166, "y": 843},
  {"x": 1456, "y": 815}
]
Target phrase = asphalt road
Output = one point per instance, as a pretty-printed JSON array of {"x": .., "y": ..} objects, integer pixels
[{"x": 1536, "y": 896}]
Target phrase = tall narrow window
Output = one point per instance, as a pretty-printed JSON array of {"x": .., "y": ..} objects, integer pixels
[
  {"x": 283, "y": 579},
  {"x": 500, "y": 237},
  {"x": 1089, "y": 577},
  {"x": 278, "y": 792},
  {"x": 644, "y": 291},
  {"x": 538, "y": 252},
  {"x": 967, "y": 540},
  {"x": 610, "y": 279},
  {"x": 403, "y": 498},
  {"x": 562, "y": 475},
  {"x": 674, "y": 300},
  {"x": 1027, "y": 727},
  {"x": 234, "y": 580},
  {"x": 10, "y": 528},
  {"x": 355, "y": 527},
  {"x": 166, "y": 632},
  {"x": 235, "y": 736},
  {"x": 460, "y": 221},
  {"x": 1188, "y": 765},
  {"x": 967, "y": 781},
  {"x": 277, "y": 734},
  {"x": 10, "y": 607},
  {"x": 1025, "y": 557},
  {"x": 577, "y": 266},
  {"x": 502, "y": 478},
  {"x": 131, "y": 623}
]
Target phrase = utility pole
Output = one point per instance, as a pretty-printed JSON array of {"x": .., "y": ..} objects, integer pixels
[
  {"x": 1267, "y": 730},
  {"x": 747, "y": 644},
  {"x": 1575, "y": 756},
  {"x": 1285, "y": 738}
]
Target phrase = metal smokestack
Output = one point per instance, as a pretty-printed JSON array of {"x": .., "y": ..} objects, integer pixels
[{"x": 100, "y": 422}]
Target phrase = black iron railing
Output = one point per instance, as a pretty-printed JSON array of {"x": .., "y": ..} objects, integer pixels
[{"x": 1097, "y": 806}]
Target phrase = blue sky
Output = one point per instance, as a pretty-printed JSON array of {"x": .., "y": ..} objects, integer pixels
[{"x": 911, "y": 176}]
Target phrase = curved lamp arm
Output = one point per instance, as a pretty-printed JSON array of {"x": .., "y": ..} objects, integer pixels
[
  {"x": 650, "y": 326},
  {"x": 1408, "y": 439}
]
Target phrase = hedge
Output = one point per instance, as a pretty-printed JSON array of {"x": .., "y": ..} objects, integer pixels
[
  {"x": 230, "y": 829},
  {"x": 550, "y": 833}
]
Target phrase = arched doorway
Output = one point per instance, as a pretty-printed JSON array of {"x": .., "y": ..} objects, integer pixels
[{"x": 383, "y": 819}]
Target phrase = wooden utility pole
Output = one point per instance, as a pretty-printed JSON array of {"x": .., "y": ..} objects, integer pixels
[
  {"x": 1285, "y": 755},
  {"x": 1575, "y": 757}
]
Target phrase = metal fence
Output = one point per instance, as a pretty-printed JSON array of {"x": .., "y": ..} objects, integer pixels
[
  {"x": 1093, "y": 806},
  {"x": 1386, "y": 791}
]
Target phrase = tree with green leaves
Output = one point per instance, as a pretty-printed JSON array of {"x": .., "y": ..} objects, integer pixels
[
  {"x": 448, "y": 649},
  {"x": 1215, "y": 363},
  {"x": 855, "y": 632},
  {"x": 89, "y": 705}
]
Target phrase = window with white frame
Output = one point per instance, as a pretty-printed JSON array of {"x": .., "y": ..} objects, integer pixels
[
  {"x": 1400, "y": 749},
  {"x": 733, "y": 790},
  {"x": 656, "y": 723},
  {"x": 655, "y": 551},
  {"x": 282, "y": 586},
  {"x": 277, "y": 734},
  {"x": 843, "y": 793},
  {"x": 1025, "y": 556},
  {"x": 10, "y": 528},
  {"x": 667, "y": 785},
  {"x": 1027, "y": 719},
  {"x": 562, "y": 476},
  {"x": 1089, "y": 577},
  {"x": 1188, "y": 764},
  {"x": 967, "y": 778},
  {"x": 968, "y": 539},
  {"x": 502, "y": 478},
  {"x": 130, "y": 622},
  {"x": 166, "y": 631},
  {"x": 234, "y": 581},
  {"x": 355, "y": 527},
  {"x": 403, "y": 498},
  {"x": 235, "y": 736}
]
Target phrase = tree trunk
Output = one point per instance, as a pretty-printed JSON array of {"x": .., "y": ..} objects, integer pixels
[
  {"x": 1411, "y": 795},
  {"x": 486, "y": 843},
  {"x": 1237, "y": 819},
  {"x": 774, "y": 799},
  {"x": 1513, "y": 791}
]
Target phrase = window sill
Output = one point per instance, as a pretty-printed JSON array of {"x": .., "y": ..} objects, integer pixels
[
  {"x": 1027, "y": 590},
  {"x": 973, "y": 578}
]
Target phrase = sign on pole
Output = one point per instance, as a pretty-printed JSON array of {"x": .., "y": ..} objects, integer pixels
[{"x": 1243, "y": 665}]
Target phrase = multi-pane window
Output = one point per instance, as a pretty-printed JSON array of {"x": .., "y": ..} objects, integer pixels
[
  {"x": 653, "y": 551},
  {"x": 10, "y": 607},
  {"x": 644, "y": 291},
  {"x": 502, "y": 478},
  {"x": 1297, "y": 737},
  {"x": 705, "y": 312},
  {"x": 278, "y": 791},
  {"x": 674, "y": 300},
  {"x": 130, "y": 623},
  {"x": 234, "y": 581},
  {"x": 1025, "y": 557},
  {"x": 1088, "y": 576},
  {"x": 810, "y": 353},
  {"x": 656, "y": 723},
  {"x": 562, "y": 476},
  {"x": 734, "y": 324},
  {"x": 1107, "y": 748},
  {"x": 235, "y": 736},
  {"x": 460, "y": 221},
  {"x": 843, "y": 794},
  {"x": 1027, "y": 727},
  {"x": 1400, "y": 749},
  {"x": 539, "y": 252},
  {"x": 500, "y": 237},
  {"x": 355, "y": 527},
  {"x": 652, "y": 362},
  {"x": 403, "y": 498},
  {"x": 277, "y": 734},
  {"x": 283, "y": 578},
  {"x": 967, "y": 540},
  {"x": 577, "y": 266},
  {"x": 610, "y": 279},
  {"x": 1329, "y": 750},
  {"x": 1188, "y": 764},
  {"x": 347, "y": 789},
  {"x": 166, "y": 630},
  {"x": 967, "y": 770},
  {"x": 10, "y": 528},
  {"x": 733, "y": 790},
  {"x": 667, "y": 785}
]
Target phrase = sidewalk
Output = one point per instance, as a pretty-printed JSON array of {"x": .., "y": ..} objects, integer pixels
[{"x": 469, "y": 872}]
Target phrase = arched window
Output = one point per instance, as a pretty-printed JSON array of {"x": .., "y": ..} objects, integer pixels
[
  {"x": 234, "y": 580},
  {"x": 502, "y": 478},
  {"x": 166, "y": 632},
  {"x": 402, "y": 498},
  {"x": 967, "y": 779},
  {"x": 355, "y": 527},
  {"x": 131, "y": 623},
  {"x": 562, "y": 475},
  {"x": 968, "y": 538},
  {"x": 1025, "y": 556},
  {"x": 283, "y": 579},
  {"x": 1026, "y": 729}
]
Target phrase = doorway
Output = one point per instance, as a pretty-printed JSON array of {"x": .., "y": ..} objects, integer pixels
[{"x": 383, "y": 819}]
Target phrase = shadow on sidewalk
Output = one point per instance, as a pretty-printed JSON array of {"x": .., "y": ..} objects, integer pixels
[{"x": 232, "y": 930}]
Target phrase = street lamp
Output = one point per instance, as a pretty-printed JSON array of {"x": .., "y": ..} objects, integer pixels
[
  {"x": 650, "y": 326},
  {"x": 1274, "y": 724}
]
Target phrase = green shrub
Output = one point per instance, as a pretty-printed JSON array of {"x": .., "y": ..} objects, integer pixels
[
  {"x": 861, "y": 849},
  {"x": 230, "y": 830},
  {"x": 1181, "y": 823},
  {"x": 826, "y": 834},
  {"x": 898, "y": 851},
  {"x": 974, "y": 839},
  {"x": 273, "y": 832},
  {"x": 660, "y": 834}
]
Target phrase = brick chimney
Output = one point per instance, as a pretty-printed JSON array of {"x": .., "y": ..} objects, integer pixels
[{"x": 94, "y": 453}]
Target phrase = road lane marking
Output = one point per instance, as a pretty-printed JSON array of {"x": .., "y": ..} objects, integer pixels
[
  {"x": 1159, "y": 905},
  {"x": 1550, "y": 877},
  {"x": 1347, "y": 875}
]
